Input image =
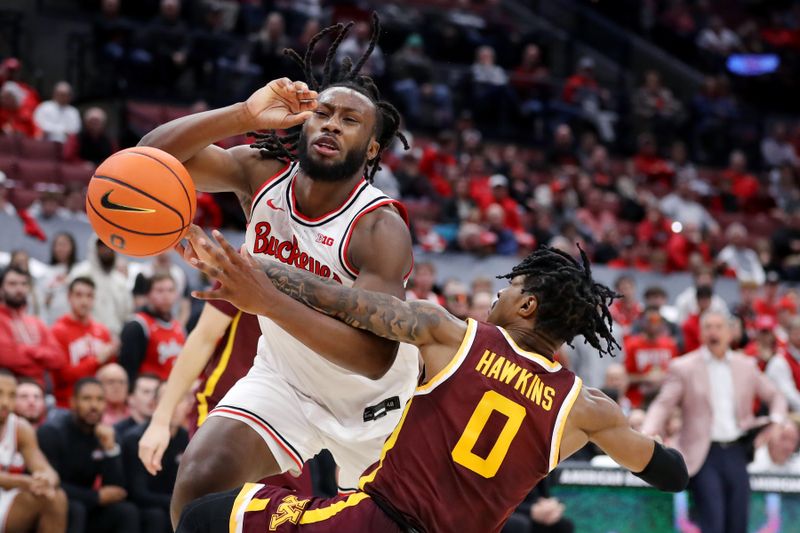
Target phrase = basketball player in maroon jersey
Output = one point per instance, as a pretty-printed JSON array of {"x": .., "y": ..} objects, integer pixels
[{"x": 494, "y": 414}]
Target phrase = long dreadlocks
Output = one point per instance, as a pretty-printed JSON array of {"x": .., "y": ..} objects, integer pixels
[
  {"x": 284, "y": 147},
  {"x": 570, "y": 302}
]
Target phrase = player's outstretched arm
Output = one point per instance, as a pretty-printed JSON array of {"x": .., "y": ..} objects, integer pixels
[
  {"x": 598, "y": 419},
  {"x": 194, "y": 357},
  {"x": 258, "y": 289},
  {"x": 281, "y": 103}
]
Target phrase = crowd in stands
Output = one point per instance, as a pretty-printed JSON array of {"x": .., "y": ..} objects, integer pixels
[{"x": 504, "y": 157}]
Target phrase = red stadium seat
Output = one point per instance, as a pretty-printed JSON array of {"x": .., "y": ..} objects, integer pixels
[
  {"x": 41, "y": 150},
  {"x": 9, "y": 144},
  {"x": 79, "y": 173},
  {"x": 23, "y": 198},
  {"x": 8, "y": 164},
  {"x": 31, "y": 172}
]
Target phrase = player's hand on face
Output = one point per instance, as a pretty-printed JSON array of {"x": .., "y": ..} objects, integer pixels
[
  {"x": 152, "y": 445},
  {"x": 242, "y": 283},
  {"x": 280, "y": 104}
]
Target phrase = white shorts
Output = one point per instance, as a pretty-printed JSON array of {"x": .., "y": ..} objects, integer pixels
[
  {"x": 296, "y": 428},
  {"x": 6, "y": 500}
]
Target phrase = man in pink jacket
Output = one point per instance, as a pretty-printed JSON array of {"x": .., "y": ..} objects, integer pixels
[
  {"x": 714, "y": 388},
  {"x": 27, "y": 347}
]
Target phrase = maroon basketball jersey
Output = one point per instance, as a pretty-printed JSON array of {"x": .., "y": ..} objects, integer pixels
[
  {"x": 232, "y": 358},
  {"x": 476, "y": 438}
]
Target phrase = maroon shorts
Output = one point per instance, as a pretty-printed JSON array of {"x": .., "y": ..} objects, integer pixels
[{"x": 257, "y": 508}]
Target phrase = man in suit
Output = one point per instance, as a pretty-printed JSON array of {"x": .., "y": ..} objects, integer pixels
[{"x": 714, "y": 389}]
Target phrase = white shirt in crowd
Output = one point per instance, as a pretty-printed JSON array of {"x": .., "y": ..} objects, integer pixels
[
  {"x": 686, "y": 303},
  {"x": 687, "y": 212},
  {"x": 721, "y": 43},
  {"x": 57, "y": 121},
  {"x": 777, "y": 153},
  {"x": 744, "y": 262},
  {"x": 723, "y": 426},
  {"x": 780, "y": 373}
]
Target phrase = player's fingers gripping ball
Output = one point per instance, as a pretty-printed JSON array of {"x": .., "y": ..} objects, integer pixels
[{"x": 141, "y": 201}]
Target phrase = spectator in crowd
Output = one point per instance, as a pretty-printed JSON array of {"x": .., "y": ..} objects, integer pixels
[
  {"x": 29, "y": 402},
  {"x": 423, "y": 282},
  {"x": 492, "y": 100},
  {"x": 14, "y": 118},
  {"x": 647, "y": 356},
  {"x": 656, "y": 108},
  {"x": 563, "y": 152},
  {"x": 355, "y": 45},
  {"x": 426, "y": 103},
  {"x": 93, "y": 143},
  {"x": 168, "y": 43},
  {"x": 86, "y": 343},
  {"x": 786, "y": 246},
  {"x": 153, "y": 493},
  {"x": 11, "y": 70},
  {"x": 153, "y": 339},
  {"x": 650, "y": 166},
  {"x": 141, "y": 403},
  {"x": 740, "y": 259},
  {"x": 112, "y": 32},
  {"x": 75, "y": 202},
  {"x": 595, "y": 217},
  {"x": 787, "y": 309},
  {"x": 499, "y": 195},
  {"x": 83, "y": 450},
  {"x": 778, "y": 454},
  {"x": 765, "y": 346},
  {"x": 715, "y": 112},
  {"x": 776, "y": 150},
  {"x": 717, "y": 39},
  {"x": 114, "y": 380},
  {"x": 686, "y": 301},
  {"x": 456, "y": 298},
  {"x": 58, "y": 118},
  {"x": 626, "y": 309},
  {"x": 743, "y": 185},
  {"x": 27, "y": 346},
  {"x": 532, "y": 82},
  {"x": 539, "y": 513},
  {"x": 767, "y": 303},
  {"x": 784, "y": 369},
  {"x": 584, "y": 94},
  {"x": 480, "y": 305},
  {"x": 28, "y": 484},
  {"x": 584, "y": 362},
  {"x": 686, "y": 249},
  {"x": 616, "y": 386},
  {"x": 691, "y": 326},
  {"x": 682, "y": 206},
  {"x": 63, "y": 257},
  {"x": 140, "y": 274},
  {"x": 727, "y": 383},
  {"x": 49, "y": 206},
  {"x": 113, "y": 302},
  {"x": 6, "y": 185},
  {"x": 656, "y": 229},
  {"x": 266, "y": 47}
]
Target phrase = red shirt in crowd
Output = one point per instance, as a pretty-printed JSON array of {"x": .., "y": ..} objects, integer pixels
[
  {"x": 680, "y": 249},
  {"x": 575, "y": 84},
  {"x": 654, "y": 168},
  {"x": 744, "y": 186},
  {"x": 27, "y": 347},
  {"x": 80, "y": 342},
  {"x": 654, "y": 233},
  {"x": 19, "y": 121},
  {"x": 691, "y": 333},
  {"x": 642, "y": 355},
  {"x": 625, "y": 313},
  {"x": 752, "y": 350},
  {"x": 433, "y": 165}
]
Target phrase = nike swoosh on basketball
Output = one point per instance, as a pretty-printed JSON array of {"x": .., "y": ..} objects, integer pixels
[
  {"x": 273, "y": 206},
  {"x": 106, "y": 202}
]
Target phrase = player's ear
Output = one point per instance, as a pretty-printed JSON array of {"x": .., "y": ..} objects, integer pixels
[
  {"x": 373, "y": 149},
  {"x": 529, "y": 306}
]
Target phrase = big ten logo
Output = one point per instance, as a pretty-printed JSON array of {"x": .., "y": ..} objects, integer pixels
[{"x": 324, "y": 239}]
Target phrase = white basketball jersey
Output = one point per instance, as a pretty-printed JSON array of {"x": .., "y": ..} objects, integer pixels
[
  {"x": 278, "y": 232},
  {"x": 11, "y": 460}
]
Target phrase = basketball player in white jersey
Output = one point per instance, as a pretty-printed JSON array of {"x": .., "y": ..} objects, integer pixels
[
  {"x": 310, "y": 205},
  {"x": 28, "y": 502}
]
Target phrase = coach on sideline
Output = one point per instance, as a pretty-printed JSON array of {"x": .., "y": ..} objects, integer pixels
[{"x": 714, "y": 389}]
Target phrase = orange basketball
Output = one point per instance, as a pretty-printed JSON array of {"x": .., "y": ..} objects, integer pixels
[{"x": 141, "y": 201}]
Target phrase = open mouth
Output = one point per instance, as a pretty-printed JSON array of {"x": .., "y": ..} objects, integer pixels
[{"x": 326, "y": 146}]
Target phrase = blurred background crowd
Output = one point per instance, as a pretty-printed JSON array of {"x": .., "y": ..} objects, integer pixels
[{"x": 660, "y": 136}]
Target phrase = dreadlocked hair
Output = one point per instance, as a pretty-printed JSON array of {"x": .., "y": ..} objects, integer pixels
[
  {"x": 284, "y": 147},
  {"x": 570, "y": 303}
]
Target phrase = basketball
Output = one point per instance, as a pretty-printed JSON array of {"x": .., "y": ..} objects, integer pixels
[{"x": 141, "y": 201}]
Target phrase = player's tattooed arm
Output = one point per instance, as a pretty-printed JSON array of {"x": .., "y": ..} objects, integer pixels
[
  {"x": 252, "y": 288},
  {"x": 414, "y": 322}
]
